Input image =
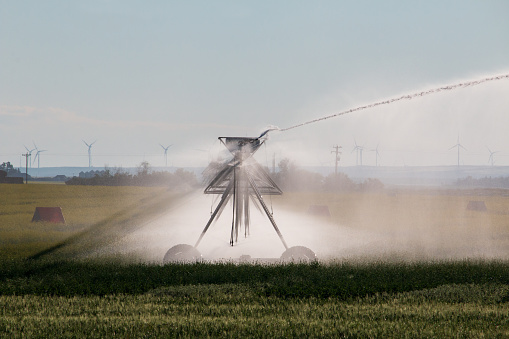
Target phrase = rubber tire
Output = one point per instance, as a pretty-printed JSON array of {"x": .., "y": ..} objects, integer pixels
[
  {"x": 182, "y": 253},
  {"x": 298, "y": 254}
]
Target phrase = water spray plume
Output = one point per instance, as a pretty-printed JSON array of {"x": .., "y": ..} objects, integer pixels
[
  {"x": 243, "y": 182},
  {"x": 403, "y": 97}
]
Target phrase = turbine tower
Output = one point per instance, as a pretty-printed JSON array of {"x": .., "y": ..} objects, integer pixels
[
  {"x": 359, "y": 150},
  {"x": 458, "y": 145},
  {"x": 377, "y": 154},
  {"x": 89, "y": 152},
  {"x": 29, "y": 155},
  {"x": 491, "y": 156},
  {"x": 165, "y": 153},
  {"x": 38, "y": 155}
]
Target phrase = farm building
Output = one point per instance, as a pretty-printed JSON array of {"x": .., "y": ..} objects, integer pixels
[{"x": 4, "y": 179}]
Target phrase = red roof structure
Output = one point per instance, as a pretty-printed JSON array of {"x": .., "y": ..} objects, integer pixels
[{"x": 49, "y": 214}]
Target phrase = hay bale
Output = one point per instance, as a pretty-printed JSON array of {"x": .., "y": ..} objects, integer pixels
[{"x": 50, "y": 214}]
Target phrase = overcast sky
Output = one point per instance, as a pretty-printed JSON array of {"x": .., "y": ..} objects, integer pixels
[{"x": 136, "y": 74}]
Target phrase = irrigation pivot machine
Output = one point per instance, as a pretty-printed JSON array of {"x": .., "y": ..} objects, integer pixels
[{"x": 243, "y": 181}]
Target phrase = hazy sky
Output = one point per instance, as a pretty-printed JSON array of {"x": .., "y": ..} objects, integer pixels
[{"x": 133, "y": 74}]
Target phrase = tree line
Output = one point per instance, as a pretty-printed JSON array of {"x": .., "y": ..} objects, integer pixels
[
  {"x": 180, "y": 179},
  {"x": 10, "y": 170}
]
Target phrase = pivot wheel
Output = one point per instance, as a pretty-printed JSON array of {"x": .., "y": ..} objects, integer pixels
[
  {"x": 298, "y": 254},
  {"x": 182, "y": 253}
]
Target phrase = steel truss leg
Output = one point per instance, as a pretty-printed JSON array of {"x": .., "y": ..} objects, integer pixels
[
  {"x": 265, "y": 208},
  {"x": 240, "y": 205},
  {"x": 246, "y": 215},
  {"x": 224, "y": 199},
  {"x": 235, "y": 205}
]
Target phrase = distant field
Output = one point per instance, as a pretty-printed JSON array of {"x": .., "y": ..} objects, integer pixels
[
  {"x": 436, "y": 220},
  {"x": 82, "y": 207},
  {"x": 404, "y": 208},
  {"x": 434, "y": 223}
]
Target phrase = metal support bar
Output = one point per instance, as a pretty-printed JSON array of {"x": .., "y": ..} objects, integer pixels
[
  {"x": 246, "y": 215},
  {"x": 234, "y": 221},
  {"x": 224, "y": 199},
  {"x": 245, "y": 201},
  {"x": 269, "y": 215}
]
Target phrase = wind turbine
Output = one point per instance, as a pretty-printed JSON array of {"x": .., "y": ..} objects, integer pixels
[
  {"x": 377, "y": 154},
  {"x": 359, "y": 150},
  {"x": 29, "y": 152},
  {"x": 458, "y": 145},
  {"x": 89, "y": 152},
  {"x": 38, "y": 155},
  {"x": 491, "y": 155},
  {"x": 165, "y": 153}
]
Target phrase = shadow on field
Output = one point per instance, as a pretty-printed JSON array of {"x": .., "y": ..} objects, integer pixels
[{"x": 98, "y": 236}]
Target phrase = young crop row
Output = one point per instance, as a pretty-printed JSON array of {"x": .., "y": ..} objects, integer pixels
[
  {"x": 105, "y": 299},
  {"x": 341, "y": 280},
  {"x": 235, "y": 311}
]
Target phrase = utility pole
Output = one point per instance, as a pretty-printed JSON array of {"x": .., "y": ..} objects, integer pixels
[
  {"x": 338, "y": 156},
  {"x": 26, "y": 155}
]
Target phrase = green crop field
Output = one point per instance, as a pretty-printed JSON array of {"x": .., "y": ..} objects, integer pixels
[
  {"x": 104, "y": 299},
  {"x": 43, "y": 294}
]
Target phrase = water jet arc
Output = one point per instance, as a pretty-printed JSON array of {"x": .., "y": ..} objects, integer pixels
[{"x": 403, "y": 97}]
